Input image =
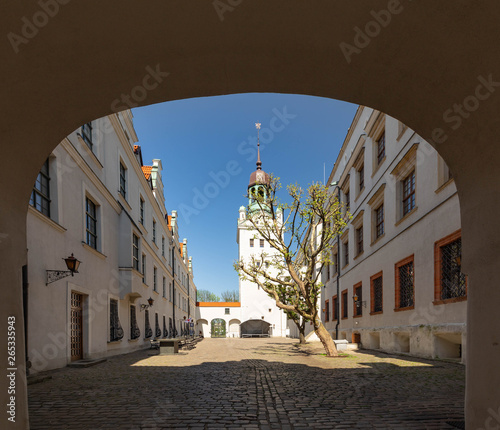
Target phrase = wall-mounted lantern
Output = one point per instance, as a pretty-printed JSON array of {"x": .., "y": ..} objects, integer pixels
[{"x": 71, "y": 263}]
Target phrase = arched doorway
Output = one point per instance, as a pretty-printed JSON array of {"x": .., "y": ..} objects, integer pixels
[
  {"x": 418, "y": 80},
  {"x": 234, "y": 328},
  {"x": 255, "y": 328},
  {"x": 218, "y": 327}
]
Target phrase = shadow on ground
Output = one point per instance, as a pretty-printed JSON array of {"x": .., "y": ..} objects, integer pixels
[{"x": 250, "y": 393}]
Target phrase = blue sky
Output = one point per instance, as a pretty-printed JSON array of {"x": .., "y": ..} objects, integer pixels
[{"x": 208, "y": 150}]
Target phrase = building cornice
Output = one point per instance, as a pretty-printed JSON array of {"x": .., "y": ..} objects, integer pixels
[{"x": 87, "y": 170}]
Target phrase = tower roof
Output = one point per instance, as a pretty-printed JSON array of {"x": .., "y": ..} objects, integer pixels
[{"x": 259, "y": 176}]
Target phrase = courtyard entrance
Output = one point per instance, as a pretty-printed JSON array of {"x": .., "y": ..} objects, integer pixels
[{"x": 218, "y": 327}]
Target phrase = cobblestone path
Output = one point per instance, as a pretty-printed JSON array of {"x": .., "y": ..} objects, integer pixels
[{"x": 251, "y": 384}]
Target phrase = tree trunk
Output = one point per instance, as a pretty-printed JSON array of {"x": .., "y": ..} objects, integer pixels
[
  {"x": 326, "y": 340},
  {"x": 302, "y": 336}
]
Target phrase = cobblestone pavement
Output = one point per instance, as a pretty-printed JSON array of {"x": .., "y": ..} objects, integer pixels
[{"x": 251, "y": 384}]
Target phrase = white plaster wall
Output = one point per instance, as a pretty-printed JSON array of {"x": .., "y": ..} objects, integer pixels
[
  {"x": 255, "y": 303},
  {"x": 106, "y": 273},
  {"x": 437, "y": 215}
]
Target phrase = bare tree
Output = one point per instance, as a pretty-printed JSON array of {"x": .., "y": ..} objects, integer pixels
[
  {"x": 230, "y": 296},
  {"x": 302, "y": 233}
]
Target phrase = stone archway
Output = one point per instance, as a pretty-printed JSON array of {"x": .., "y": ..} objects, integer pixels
[
  {"x": 218, "y": 327},
  {"x": 442, "y": 84}
]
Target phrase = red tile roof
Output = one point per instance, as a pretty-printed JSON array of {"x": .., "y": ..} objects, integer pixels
[
  {"x": 147, "y": 171},
  {"x": 182, "y": 249},
  {"x": 169, "y": 222}
]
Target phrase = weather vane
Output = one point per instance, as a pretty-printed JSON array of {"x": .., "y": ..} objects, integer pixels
[{"x": 257, "y": 125}]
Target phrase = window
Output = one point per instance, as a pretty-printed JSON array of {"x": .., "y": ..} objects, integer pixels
[
  {"x": 358, "y": 300},
  {"x": 450, "y": 283},
  {"x": 143, "y": 268},
  {"x": 376, "y": 294},
  {"x": 251, "y": 243},
  {"x": 335, "y": 262},
  {"x": 361, "y": 177},
  {"x": 135, "y": 252},
  {"x": 405, "y": 284},
  {"x": 115, "y": 328},
  {"x": 327, "y": 310},
  {"x": 154, "y": 231},
  {"x": 346, "y": 252},
  {"x": 335, "y": 308},
  {"x": 147, "y": 327},
  {"x": 135, "y": 332},
  {"x": 226, "y": 311},
  {"x": 155, "y": 271},
  {"x": 381, "y": 149},
  {"x": 262, "y": 243},
  {"x": 379, "y": 221},
  {"x": 170, "y": 292},
  {"x": 87, "y": 134},
  {"x": 409, "y": 193},
  {"x": 344, "y": 304},
  {"x": 123, "y": 180},
  {"x": 347, "y": 201},
  {"x": 91, "y": 223},
  {"x": 327, "y": 271},
  {"x": 359, "y": 240},
  {"x": 40, "y": 196},
  {"x": 163, "y": 246},
  {"x": 157, "y": 327},
  {"x": 141, "y": 211},
  {"x": 165, "y": 331},
  {"x": 164, "y": 287}
]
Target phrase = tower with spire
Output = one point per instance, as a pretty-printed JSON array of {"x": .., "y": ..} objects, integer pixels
[{"x": 259, "y": 313}]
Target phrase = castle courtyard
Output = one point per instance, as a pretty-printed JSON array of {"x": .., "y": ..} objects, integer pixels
[{"x": 252, "y": 384}]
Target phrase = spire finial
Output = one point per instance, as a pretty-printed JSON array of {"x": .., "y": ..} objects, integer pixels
[{"x": 259, "y": 163}]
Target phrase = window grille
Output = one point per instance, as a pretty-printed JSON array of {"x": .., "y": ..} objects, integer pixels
[
  {"x": 147, "y": 327},
  {"x": 358, "y": 304},
  {"x": 347, "y": 201},
  {"x": 91, "y": 221},
  {"x": 406, "y": 285},
  {"x": 123, "y": 181},
  {"x": 226, "y": 312},
  {"x": 381, "y": 149},
  {"x": 135, "y": 332},
  {"x": 116, "y": 331},
  {"x": 409, "y": 193},
  {"x": 379, "y": 219},
  {"x": 453, "y": 281},
  {"x": 262, "y": 243},
  {"x": 344, "y": 304},
  {"x": 377, "y": 304},
  {"x": 157, "y": 327},
  {"x": 327, "y": 311},
  {"x": 165, "y": 331},
  {"x": 141, "y": 214},
  {"x": 361, "y": 173},
  {"x": 135, "y": 252},
  {"x": 346, "y": 253},
  {"x": 143, "y": 268},
  {"x": 359, "y": 233},
  {"x": 164, "y": 286},
  {"x": 87, "y": 135},
  {"x": 155, "y": 271},
  {"x": 40, "y": 196},
  {"x": 163, "y": 246},
  {"x": 335, "y": 308},
  {"x": 154, "y": 231}
]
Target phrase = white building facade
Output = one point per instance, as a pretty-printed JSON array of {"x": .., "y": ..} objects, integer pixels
[
  {"x": 396, "y": 284},
  {"x": 94, "y": 198}
]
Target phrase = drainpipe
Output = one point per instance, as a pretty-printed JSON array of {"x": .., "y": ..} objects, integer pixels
[{"x": 337, "y": 263}]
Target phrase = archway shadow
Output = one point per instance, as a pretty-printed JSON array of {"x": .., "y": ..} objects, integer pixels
[{"x": 131, "y": 392}]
